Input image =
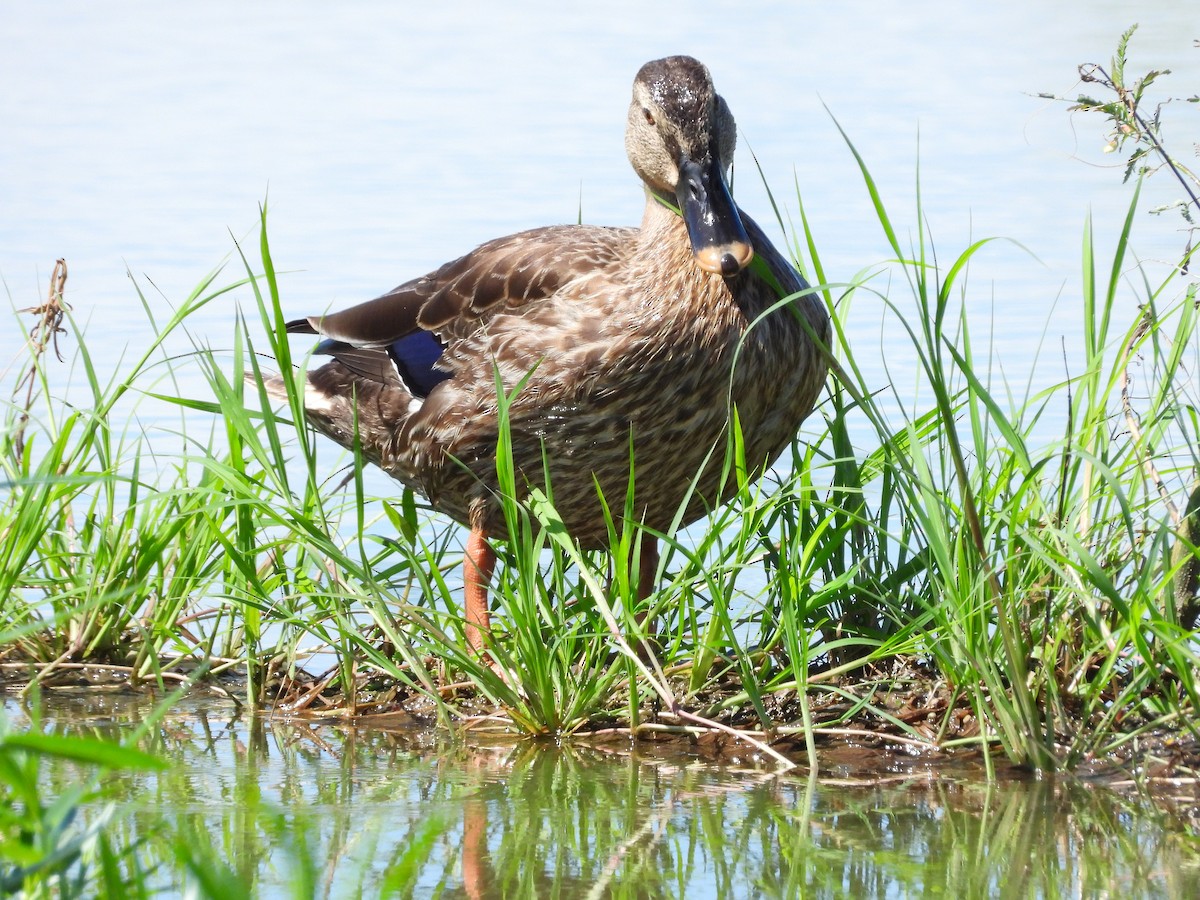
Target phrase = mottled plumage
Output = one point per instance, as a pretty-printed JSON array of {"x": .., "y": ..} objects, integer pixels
[{"x": 625, "y": 337}]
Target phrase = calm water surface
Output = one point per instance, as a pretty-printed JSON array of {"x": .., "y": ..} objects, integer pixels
[
  {"x": 407, "y": 812},
  {"x": 388, "y": 138}
]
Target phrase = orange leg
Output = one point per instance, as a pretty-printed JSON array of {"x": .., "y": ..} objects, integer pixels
[
  {"x": 647, "y": 570},
  {"x": 478, "y": 565}
]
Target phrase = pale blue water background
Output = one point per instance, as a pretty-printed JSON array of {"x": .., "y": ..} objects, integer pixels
[{"x": 392, "y": 137}]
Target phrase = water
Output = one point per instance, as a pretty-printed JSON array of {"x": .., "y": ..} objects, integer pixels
[
  {"x": 387, "y": 139},
  {"x": 403, "y": 811}
]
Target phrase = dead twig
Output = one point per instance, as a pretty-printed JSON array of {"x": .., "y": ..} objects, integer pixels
[
  {"x": 1184, "y": 559},
  {"x": 1091, "y": 72},
  {"x": 1132, "y": 420},
  {"x": 43, "y": 334}
]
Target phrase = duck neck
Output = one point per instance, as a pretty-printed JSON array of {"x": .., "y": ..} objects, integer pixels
[{"x": 661, "y": 221}]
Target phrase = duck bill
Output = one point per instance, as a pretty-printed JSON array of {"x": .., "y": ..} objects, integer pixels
[{"x": 719, "y": 240}]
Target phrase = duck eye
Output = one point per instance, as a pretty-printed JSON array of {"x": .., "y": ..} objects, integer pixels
[{"x": 649, "y": 117}]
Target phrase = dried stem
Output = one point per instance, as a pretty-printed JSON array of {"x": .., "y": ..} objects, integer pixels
[
  {"x": 1096, "y": 73},
  {"x": 43, "y": 334},
  {"x": 1184, "y": 560}
]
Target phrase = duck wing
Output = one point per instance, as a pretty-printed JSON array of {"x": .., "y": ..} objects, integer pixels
[
  {"x": 403, "y": 333},
  {"x": 460, "y": 296}
]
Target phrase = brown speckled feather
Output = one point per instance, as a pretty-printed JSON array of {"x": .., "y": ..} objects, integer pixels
[{"x": 504, "y": 274}]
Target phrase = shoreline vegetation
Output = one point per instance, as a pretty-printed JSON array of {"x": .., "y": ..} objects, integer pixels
[
  {"x": 951, "y": 585},
  {"x": 924, "y": 570}
]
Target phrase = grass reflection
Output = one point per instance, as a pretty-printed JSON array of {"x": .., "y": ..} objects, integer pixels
[{"x": 260, "y": 807}]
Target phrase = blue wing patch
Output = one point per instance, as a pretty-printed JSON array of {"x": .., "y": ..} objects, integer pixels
[
  {"x": 415, "y": 357},
  {"x": 411, "y": 360}
]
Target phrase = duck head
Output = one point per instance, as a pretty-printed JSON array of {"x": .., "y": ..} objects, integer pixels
[{"x": 680, "y": 138}]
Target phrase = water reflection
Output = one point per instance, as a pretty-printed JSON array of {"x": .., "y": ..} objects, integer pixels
[{"x": 406, "y": 811}]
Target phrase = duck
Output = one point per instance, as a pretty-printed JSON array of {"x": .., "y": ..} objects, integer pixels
[{"x": 609, "y": 349}]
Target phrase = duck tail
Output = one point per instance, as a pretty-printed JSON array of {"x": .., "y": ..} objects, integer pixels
[
  {"x": 354, "y": 411},
  {"x": 321, "y": 405},
  {"x": 272, "y": 383},
  {"x": 320, "y": 399}
]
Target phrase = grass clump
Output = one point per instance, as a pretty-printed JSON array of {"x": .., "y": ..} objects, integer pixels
[
  {"x": 963, "y": 566},
  {"x": 1037, "y": 584}
]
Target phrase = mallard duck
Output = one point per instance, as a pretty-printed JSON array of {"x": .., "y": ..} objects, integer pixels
[{"x": 623, "y": 342}]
